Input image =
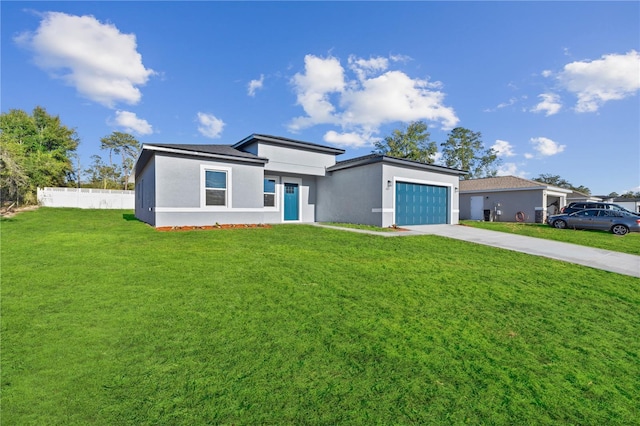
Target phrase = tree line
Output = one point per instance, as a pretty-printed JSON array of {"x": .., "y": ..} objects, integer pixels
[
  {"x": 37, "y": 150},
  {"x": 462, "y": 150}
]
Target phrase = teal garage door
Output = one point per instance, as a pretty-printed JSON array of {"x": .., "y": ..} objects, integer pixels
[{"x": 418, "y": 204}]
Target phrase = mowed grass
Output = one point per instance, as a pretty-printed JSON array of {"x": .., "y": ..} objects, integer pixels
[
  {"x": 107, "y": 321},
  {"x": 629, "y": 243}
]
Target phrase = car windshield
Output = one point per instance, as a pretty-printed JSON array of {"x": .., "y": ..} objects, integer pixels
[{"x": 622, "y": 209}]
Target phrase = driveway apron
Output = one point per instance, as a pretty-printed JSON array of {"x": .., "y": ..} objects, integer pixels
[{"x": 607, "y": 260}]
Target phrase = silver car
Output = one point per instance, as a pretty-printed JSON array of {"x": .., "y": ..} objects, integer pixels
[
  {"x": 618, "y": 222},
  {"x": 581, "y": 205}
]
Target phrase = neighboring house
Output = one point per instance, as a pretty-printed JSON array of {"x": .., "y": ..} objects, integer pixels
[
  {"x": 510, "y": 199},
  {"x": 270, "y": 179},
  {"x": 576, "y": 196}
]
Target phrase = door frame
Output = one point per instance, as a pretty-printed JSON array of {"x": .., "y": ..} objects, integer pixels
[{"x": 293, "y": 181}]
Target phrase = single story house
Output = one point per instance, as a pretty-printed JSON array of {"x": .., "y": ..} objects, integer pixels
[
  {"x": 269, "y": 179},
  {"x": 510, "y": 199},
  {"x": 576, "y": 196}
]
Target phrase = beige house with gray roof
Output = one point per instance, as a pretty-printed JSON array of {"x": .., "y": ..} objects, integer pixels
[{"x": 509, "y": 199}]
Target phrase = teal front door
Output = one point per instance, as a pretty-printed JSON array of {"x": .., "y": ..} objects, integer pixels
[{"x": 291, "y": 201}]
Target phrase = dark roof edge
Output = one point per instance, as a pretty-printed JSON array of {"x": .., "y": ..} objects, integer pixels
[
  {"x": 278, "y": 140},
  {"x": 174, "y": 150},
  {"x": 376, "y": 158},
  {"x": 535, "y": 185},
  {"x": 516, "y": 189}
]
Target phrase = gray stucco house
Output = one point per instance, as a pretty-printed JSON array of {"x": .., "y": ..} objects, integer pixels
[
  {"x": 269, "y": 179},
  {"x": 510, "y": 199}
]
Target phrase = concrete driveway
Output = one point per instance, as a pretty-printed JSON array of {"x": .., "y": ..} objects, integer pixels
[{"x": 607, "y": 260}]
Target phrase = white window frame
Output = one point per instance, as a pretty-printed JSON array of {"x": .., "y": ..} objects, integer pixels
[
  {"x": 204, "y": 168},
  {"x": 276, "y": 197}
]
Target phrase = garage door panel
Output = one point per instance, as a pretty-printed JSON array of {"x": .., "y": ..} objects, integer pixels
[{"x": 419, "y": 204}]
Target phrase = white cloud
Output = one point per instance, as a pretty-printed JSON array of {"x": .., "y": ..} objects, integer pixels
[
  {"x": 510, "y": 169},
  {"x": 373, "y": 97},
  {"x": 255, "y": 85},
  {"x": 550, "y": 104},
  {"x": 503, "y": 148},
  {"x": 400, "y": 58},
  {"x": 210, "y": 126},
  {"x": 321, "y": 78},
  {"x": 132, "y": 124},
  {"x": 97, "y": 59},
  {"x": 351, "y": 140},
  {"x": 546, "y": 147},
  {"x": 612, "y": 77},
  {"x": 438, "y": 159},
  {"x": 394, "y": 96},
  {"x": 366, "y": 67},
  {"x": 511, "y": 102}
]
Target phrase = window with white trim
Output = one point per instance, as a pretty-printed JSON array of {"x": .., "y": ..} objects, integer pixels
[
  {"x": 269, "y": 192},
  {"x": 215, "y": 188}
]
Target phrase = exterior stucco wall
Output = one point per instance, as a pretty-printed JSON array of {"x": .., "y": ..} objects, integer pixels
[
  {"x": 206, "y": 218},
  {"x": 366, "y": 194},
  {"x": 145, "y": 193},
  {"x": 292, "y": 160},
  {"x": 180, "y": 188},
  {"x": 179, "y": 182},
  {"x": 507, "y": 202},
  {"x": 172, "y": 188},
  {"x": 351, "y": 195}
]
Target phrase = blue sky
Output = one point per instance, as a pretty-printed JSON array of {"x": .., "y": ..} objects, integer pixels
[{"x": 552, "y": 86}]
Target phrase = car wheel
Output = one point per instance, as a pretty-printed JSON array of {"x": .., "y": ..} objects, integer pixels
[
  {"x": 560, "y": 224},
  {"x": 619, "y": 229}
]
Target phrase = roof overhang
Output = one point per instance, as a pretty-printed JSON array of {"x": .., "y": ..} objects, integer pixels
[
  {"x": 148, "y": 151},
  {"x": 377, "y": 158},
  {"x": 556, "y": 191},
  {"x": 241, "y": 158},
  {"x": 291, "y": 143}
]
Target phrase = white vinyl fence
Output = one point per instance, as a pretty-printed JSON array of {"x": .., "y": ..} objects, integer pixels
[{"x": 86, "y": 198}]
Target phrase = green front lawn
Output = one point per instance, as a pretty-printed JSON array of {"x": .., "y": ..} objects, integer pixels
[
  {"x": 629, "y": 243},
  {"x": 107, "y": 321}
]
